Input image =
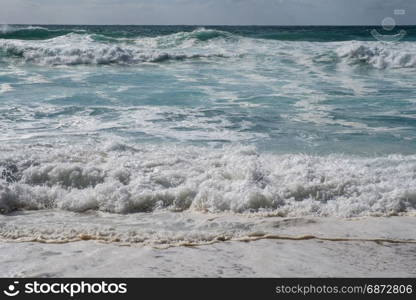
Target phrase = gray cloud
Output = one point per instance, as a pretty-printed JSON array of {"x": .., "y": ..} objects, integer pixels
[{"x": 203, "y": 12}]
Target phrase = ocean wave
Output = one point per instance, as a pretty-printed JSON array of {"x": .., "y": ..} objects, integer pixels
[
  {"x": 95, "y": 49},
  {"x": 125, "y": 179},
  {"x": 32, "y": 32},
  {"x": 75, "y": 49},
  {"x": 9, "y": 28},
  {"x": 201, "y": 34},
  {"x": 379, "y": 55}
]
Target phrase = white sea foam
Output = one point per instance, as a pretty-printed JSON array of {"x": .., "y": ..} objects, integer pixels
[
  {"x": 165, "y": 122},
  {"x": 5, "y": 87},
  {"x": 119, "y": 178}
]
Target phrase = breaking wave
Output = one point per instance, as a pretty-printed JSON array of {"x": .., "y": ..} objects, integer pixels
[
  {"x": 379, "y": 55},
  {"x": 120, "y": 178},
  {"x": 76, "y": 48}
]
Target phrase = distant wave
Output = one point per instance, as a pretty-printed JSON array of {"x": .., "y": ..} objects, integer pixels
[
  {"x": 285, "y": 33},
  {"x": 124, "y": 179},
  {"x": 4, "y": 29},
  {"x": 73, "y": 49},
  {"x": 82, "y": 48},
  {"x": 31, "y": 32}
]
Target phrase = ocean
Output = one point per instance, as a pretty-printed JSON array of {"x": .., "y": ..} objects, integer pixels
[{"x": 145, "y": 134}]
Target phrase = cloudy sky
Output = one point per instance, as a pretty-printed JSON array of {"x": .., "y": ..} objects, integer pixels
[{"x": 203, "y": 12}]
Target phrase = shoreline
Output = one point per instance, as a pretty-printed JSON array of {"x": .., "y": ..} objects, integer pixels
[{"x": 261, "y": 258}]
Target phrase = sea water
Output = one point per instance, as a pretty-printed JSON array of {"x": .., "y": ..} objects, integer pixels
[{"x": 110, "y": 124}]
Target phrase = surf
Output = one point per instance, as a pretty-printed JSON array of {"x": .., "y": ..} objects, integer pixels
[
  {"x": 76, "y": 48},
  {"x": 133, "y": 179}
]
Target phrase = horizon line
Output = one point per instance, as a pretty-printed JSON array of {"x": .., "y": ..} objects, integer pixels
[{"x": 224, "y": 25}]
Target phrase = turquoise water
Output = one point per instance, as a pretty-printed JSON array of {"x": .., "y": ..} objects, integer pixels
[
  {"x": 331, "y": 107},
  {"x": 309, "y": 90}
]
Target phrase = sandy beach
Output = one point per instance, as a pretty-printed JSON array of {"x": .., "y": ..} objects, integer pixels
[{"x": 311, "y": 257}]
